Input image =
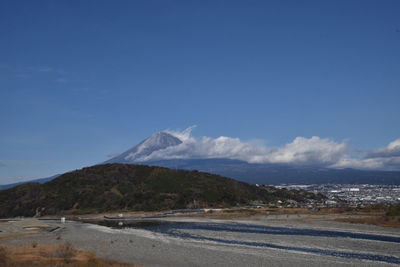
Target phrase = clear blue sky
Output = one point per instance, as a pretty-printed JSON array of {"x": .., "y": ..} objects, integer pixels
[{"x": 82, "y": 79}]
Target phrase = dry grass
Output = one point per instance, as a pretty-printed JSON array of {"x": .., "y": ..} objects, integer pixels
[
  {"x": 52, "y": 255},
  {"x": 368, "y": 215},
  {"x": 14, "y": 235},
  {"x": 3, "y": 257},
  {"x": 65, "y": 252}
]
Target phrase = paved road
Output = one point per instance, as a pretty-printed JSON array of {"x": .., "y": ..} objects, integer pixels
[{"x": 206, "y": 242}]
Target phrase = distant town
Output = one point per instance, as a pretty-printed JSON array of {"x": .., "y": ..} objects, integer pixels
[{"x": 355, "y": 195}]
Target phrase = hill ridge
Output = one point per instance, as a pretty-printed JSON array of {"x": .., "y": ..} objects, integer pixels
[{"x": 110, "y": 187}]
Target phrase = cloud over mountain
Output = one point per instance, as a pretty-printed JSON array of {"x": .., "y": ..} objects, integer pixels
[
  {"x": 391, "y": 150},
  {"x": 301, "y": 151},
  {"x": 392, "y": 163},
  {"x": 385, "y": 158},
  {"x": 314, "y": 150}
]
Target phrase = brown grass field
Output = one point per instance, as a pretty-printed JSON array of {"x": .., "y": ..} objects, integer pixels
[
  {"x": 36, "y": 255},
  {"x": 374, "y": 216}
]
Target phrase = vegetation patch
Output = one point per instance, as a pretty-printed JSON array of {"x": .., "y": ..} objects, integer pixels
[
  {"x": 128, "y": 187},
  {"x": 50, "y": 255}
]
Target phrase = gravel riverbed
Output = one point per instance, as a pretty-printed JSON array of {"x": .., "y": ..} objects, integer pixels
[{"x": 208, "y": 242}]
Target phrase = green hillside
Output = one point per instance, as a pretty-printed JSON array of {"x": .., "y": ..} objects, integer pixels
[{"x": 112, "y": 187}]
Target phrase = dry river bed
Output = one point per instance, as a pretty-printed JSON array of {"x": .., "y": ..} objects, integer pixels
[{"x": 189, "y": 241}]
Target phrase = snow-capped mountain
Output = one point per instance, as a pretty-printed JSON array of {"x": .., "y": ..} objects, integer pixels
[
  {"x": 154, "y": 143},
  {"x": 265, "y": 173},
  {"x": 180, "y": 151}
]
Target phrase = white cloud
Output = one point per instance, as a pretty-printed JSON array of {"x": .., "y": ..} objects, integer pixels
[
  {"x": 358, "y": 163},
  {"x": 391, "y": 150},
  {"x": 301, "y": 151},
  {"x": 183, "y": 135},
  {"x": 314, "y": 150},
  {"x": 387, "y": 164},
  {"x": 385, "y": 158}
]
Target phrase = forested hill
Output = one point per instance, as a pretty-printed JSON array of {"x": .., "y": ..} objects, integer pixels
[{"x": 111, "y": 187}]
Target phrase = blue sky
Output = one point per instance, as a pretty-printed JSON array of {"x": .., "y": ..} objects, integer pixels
[{"x": 80, "y": 80}]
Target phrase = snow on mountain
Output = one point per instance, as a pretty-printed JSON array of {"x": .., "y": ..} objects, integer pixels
[
  {"x": 156, "y": 142},
  {"x": 302, "y": 151}
]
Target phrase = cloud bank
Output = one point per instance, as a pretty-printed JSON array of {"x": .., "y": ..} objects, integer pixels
[
  {"x": 314, "y": 151},
  {"x": 385, "y": 158},
  {"x": 390, "y": 151}
]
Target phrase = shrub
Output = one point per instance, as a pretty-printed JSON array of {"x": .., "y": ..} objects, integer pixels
[{"x": 393, "y": 211}]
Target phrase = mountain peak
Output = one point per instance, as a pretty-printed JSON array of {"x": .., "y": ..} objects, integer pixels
[{"x": 157, "y": 141}]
